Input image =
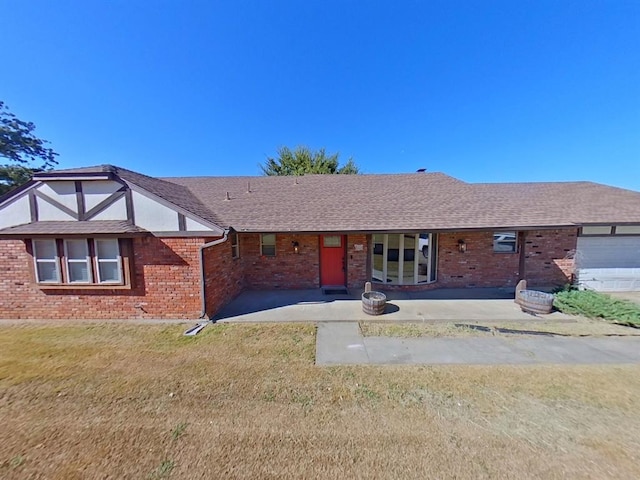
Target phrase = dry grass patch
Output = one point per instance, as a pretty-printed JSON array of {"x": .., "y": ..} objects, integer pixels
[
  {"x": 246, "y": 401},
  {"x": 580, "y": 327}
]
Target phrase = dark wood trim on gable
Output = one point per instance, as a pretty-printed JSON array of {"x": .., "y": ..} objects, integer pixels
[
  {"x": 33, "y": 206},
  {"x": 128, "y": 198},
  {"x": 80, "y": 200},
  {"x": 111, "y": 199},
  {"x": 182, "y": 222},
  {"x": 56, "y": 204}
]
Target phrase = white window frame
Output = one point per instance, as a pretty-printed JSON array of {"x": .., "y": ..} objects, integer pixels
[
  {"x": 93, "y": 262},
  {"x": 68, "y": 261},
  {"x": 432, "y": 251},
  {"x": 264, "y": 244},
  {"x": 235, "y": 245},
  {"x": 117, "y": 260},
  {"x": 55, "y": 260}
]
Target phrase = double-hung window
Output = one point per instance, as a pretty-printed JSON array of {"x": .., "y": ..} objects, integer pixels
[
  {"x": 107, "y": 253},
  {"x": 45, "y": 253},
  {"x": 268, "y": 244},
  {"x": 79, "y": 261}
]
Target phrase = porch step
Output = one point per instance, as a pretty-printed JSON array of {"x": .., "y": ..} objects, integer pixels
[{"x": 335, "y": 290}]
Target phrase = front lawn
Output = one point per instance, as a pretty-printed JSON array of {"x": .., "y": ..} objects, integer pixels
[
  {"x": 247, "y": 401},
  {"x": 598, "y": 305}
]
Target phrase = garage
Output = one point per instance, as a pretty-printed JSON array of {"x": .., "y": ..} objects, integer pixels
[{"x": 609, "y": 263}]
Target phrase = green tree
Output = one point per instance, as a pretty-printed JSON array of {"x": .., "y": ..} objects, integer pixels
[
  {"x": 303, "y": 160},
  {"x": 22, "y": 148}
]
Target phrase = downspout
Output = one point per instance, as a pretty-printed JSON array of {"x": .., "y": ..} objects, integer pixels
[{"x": 203, "y": 279}]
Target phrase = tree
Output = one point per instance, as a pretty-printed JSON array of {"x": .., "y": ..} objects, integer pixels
[
  {"x": 19, "y": 145},
  {"x": 304, "y": 160}
]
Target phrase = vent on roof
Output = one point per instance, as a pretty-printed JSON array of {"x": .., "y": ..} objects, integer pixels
[
  {"x": 227, "y": 197},
  {"x": 421, "y": 170}
]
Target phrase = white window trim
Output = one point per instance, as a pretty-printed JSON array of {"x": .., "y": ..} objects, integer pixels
[
  {"x": 68, "y": 261},
  {"x": 117, "y": 260},
  {"x": 55, "y": 260},
  {"x": 416, "y": 263},
  {"x": 92, "y": 263}
]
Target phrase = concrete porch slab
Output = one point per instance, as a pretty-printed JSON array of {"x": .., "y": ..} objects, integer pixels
[{"x": 437, "y": 305}]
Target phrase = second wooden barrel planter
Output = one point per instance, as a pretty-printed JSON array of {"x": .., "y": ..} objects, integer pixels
[
  {"x": 534, "y": 301},
  {"x": 373, "y": 303}
]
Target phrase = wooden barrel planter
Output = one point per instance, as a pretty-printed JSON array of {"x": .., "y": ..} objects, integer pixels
[
  {"x": 373, "y": 303},
  {"x": 534, "y": 301}
]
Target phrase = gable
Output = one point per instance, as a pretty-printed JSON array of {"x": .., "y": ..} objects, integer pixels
[{"x": 87, "y": 200}]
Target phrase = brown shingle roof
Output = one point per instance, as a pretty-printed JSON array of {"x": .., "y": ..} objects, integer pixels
[
  {"x": 395, "y": 202},
  {"x": 94, "y": 227},
  {"x": 421, "y": 201}
]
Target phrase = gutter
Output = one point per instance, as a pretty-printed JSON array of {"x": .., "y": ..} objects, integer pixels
[{"x": 224, "y": 238}]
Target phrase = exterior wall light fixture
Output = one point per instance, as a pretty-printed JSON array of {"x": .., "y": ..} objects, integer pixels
[
  {"x": 462, "y": 246},
  {"x": 296, "y": 246}
]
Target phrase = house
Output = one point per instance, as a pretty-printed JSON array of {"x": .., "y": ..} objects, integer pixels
[{"x": 106, "y": 242}]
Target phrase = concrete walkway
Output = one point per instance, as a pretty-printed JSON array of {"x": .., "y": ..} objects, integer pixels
[{"x": 343, "y": 344}]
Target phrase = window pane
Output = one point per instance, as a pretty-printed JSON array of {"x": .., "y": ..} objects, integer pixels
[
  {"x": 504, "y": 242},
  {"x": 78, "y": 272},
  {"x": 45, "y": 249},
  {"x": 268, "y": 244},
  {"x": 47, "y": 272},
  {"x": 109, "y": 271},
  {"x": 269, "y": 239},
  {"x": 108, "y": 249},
  {"x": 378, "y": 249},
  {"x": 393, "y": 258},
  {"x": 77, "y": 249},
  {"x": 332, "y": 241}
]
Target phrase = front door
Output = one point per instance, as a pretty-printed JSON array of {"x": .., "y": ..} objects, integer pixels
[{"x": 332, "y": 260}]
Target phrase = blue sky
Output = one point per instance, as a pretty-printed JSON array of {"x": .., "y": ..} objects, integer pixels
[{"x": 486, "y": 91}]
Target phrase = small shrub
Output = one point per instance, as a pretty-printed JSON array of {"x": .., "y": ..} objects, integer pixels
[{"x": 597, "y": 305}]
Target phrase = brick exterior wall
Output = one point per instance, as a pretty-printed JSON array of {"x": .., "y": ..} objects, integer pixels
[
  {"x": 166, "y": 276},
  {"x": 479, "y": 266},
  {"x": 224, "y": 276},
  {"x": 287, "y": 270},
  {"x": 166, "y": 273},
  {"x": 549, "y": 256},
  {"x": 358, "y": 267},
  {"x": 548, "y": 261}
]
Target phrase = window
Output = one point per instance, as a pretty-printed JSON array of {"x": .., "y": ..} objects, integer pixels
[
  {"x": 235, "y": 249},
  {"x": 46, "y": 260},
  {"x": 505, "y": 242},
  {"x": 79, "y": 261},
  {"x": 268, "y": 244},
  {"x": 404, "y": 258},
  {"x": 332, "y": 241},
  {"x": 109, "y": 261}
]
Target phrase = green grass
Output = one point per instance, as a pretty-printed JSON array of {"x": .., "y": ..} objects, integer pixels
[{"x": 598, "y": 305}]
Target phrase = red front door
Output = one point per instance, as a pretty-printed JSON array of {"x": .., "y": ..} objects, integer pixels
[{"x": 332, "y": 260}]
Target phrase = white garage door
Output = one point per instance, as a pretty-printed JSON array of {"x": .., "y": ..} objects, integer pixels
[{"x": 609, "y": 264}]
